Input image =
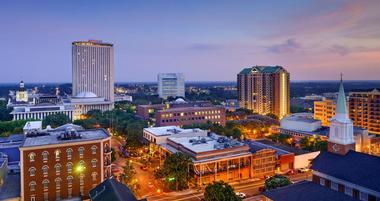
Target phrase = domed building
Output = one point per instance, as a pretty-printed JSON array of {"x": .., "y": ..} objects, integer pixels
[{"x": 86, "y": 101}]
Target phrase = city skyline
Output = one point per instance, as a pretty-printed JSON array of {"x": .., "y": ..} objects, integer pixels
[{"x": 206, "y": 41}]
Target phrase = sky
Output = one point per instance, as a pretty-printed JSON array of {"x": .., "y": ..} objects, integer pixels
[{"x": 207, "y": 40}]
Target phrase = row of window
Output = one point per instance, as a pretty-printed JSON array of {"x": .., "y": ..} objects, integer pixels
[
  {"x": 57, "y": 167},
  {"x": 57, "y": 153}
]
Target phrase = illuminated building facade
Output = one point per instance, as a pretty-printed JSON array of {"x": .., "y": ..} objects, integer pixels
[
  {"x": 171, "y": 85},
  {"x": 324, "y": 110},
  {"x": 93, "y": 69},
  {"x": 63, "y": 163},
  {"x": 264, "y": 90},
  {"x": 364, "y": 110}
]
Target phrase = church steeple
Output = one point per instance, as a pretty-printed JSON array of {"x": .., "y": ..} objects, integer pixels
[{"x": 341, "y": 105}]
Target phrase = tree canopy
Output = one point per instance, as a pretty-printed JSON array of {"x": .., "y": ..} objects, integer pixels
[
  {"x": 176, "y": 171},
  {"x": 220, "y": 191},
  {"x": 5, "y": 111},
  {"x": 276, "y": 181},
  {"x": 56, "y": 120}
]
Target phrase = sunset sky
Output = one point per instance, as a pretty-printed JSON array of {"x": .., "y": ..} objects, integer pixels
[{"x": 207, "y": 40}]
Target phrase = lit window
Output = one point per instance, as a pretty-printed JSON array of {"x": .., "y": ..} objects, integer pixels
[
  {"x": 32, "y": 186},
  {"x": 45, "y": 169},
  {"x": 81, "y": 152},
  {"x": 32, "y": 171},
  {"x": 81, "y": 179},
  {"x": 32, "y": 157},
  {"x": 93, "y": 149},
  {"x": 93, "y": 175},
  {"x": 45, "y": 155},
  {"x": 93, "y": 162},
  {"x": 57, "y": 154},
  {"x": 69, "y": 167},
  {"x": 45, "y": 184},
  {"x": 69, "y": 153}
]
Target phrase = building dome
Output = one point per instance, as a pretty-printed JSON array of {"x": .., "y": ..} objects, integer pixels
[
  {"x": 86, "y": 94},
  {"x": 179, "y": 100}
]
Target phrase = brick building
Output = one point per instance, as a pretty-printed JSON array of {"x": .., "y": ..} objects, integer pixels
[{"x": 63, "y": 163}]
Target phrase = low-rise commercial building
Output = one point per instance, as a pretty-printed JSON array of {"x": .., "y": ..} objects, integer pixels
[{"x": 63, "y": 163}]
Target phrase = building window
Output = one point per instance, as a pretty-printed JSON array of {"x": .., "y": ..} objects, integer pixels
[
  {"x": 348, "y": 191},
  {"x": 69, "y": 153},
  {"x": 32, "y": 186},
  {"x": 45, "y": 169},
  {"x": 69, "y": 167},
  {"x": 57, "y": 154},
  {"x": 69, "y": 192},
  {"x": 45, "y": 155},
  {"x": 57, "y": 169},
  {"x": 32, "y": 198},
  {"x": 70, "y": 181},
  {"x": 81, "y": 152},
  {"x": 58, "y": 195},
  {"x": 334, "y": 186},
  {"x": 32, "y": 171},
  {"x": 363, "y": 196},
  {"x": 46, "y": 196},
  {"x": 93, "y": 162},
  {"x": 81, "y": 179},
  {"x": 322, "y": 181},
  {"x": 93, "y": 149},
  {"x": 58, "y": 183},
  {"x": 45, "y": 184},
  {"x": 32, "y": 157},
  {"x": 94, "y": 175}
]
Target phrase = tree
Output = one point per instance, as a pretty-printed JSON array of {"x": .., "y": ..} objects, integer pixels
[
  {"x": 5, "y": 111},
  {"x": 176, "y": 171},
  {"x": 276, "y": 181},
  {"x": 220, "y": 191},
  {"x": 9, "y": 127},
  {"x": 56, "y": 120}
]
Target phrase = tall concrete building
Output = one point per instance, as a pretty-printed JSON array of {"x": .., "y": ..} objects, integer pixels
[
  {"x": 264, "y": 89},
  {"x": 93, "y": 69},
  {"x": 171, "y": 85},
  {"x": 365, "y": 110}
]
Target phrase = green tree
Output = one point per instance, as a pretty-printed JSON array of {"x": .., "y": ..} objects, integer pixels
[
  {"x": 276, "y": 181},
  {"x": 220, "y": 191},
  {"x": 10, "y": 127},
  {"x": 55, "y": 120},
  {"x": 5, "y": 111},
  {"x": 176, "y": 171}
]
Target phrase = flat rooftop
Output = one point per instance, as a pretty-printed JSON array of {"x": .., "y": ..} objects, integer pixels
[
  {"x": 280, "y": 148},
  {"x": 51, "y": 137},
  {"x": 301, "y": 119},
  {"x": 189, "y": 108},
  {"x": 205, "y": 144},
  {"x": 170, "y": 130}
]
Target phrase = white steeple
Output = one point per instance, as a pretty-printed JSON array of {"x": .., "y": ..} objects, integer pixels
[{"x": 341, "y": 126}]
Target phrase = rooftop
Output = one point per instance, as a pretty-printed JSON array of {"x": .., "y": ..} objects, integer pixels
[
  {"x": 53, "y": 137},
  {"x": 354, "y": 167},
  {"x": 262, "y": 69},
  {"x": 170, "y": 130},
  {"x": 92, "y": 43},
  {"x": 33, "y": 125},
  {"x": 306, "y": 190},
  {"x": 205, "y": 144},
  {"x": 301, "y": 118},
  {"x": 189, "y": 108},
  {"x": 280, "y": 148}
]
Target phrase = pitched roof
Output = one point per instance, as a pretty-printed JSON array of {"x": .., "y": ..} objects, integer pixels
[
  {"x": 358, "y": 168},
  {"x": 111, "y": 189},
  {"x": 262, "y": 69},
  {"x": 306, "y": 190}
]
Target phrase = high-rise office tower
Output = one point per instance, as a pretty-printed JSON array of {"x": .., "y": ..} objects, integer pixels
[
  {"x": 365, "y": 109},
  {"x": 171, "y": 85},
  {"x": 93, "y": 69},
  {"x": 264, "y": 90}
]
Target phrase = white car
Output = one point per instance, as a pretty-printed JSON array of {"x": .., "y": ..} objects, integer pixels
[{"x": 241, "y": 195}]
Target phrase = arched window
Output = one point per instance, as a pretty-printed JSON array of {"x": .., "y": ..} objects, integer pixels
[
  {"x": 32, "y": 186},
  {"x": 94, "y": 162},
  {"x": 45, "y": 184},
  {"x": 58, "y": 183},
  {"x": 81, "y": 179},
  {"x": 45, "y": 169},
  {"x": 57, "y": 154},
  {"x": 69, "y": 153},
  {"x": 70, "y": 181},
  {"x": 69, "y": 167},
  {"x": 57, "y": 168},
  {"x": 93, "y": 149},
  {"x": 94, "y": 175},
  {"x": 81, "y": 152},
  {"x": 32, "y": 171},
  {"x": 32, "y": 157},
  {"x": 45, "y": 155}
]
